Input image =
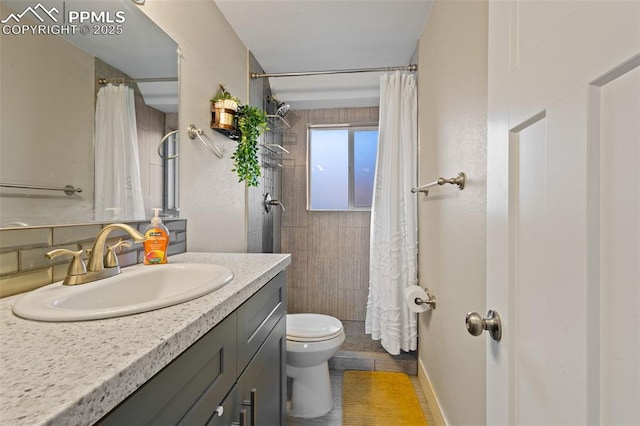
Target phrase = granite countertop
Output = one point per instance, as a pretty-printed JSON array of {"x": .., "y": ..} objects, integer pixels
[{"x": 75, "y": 372}]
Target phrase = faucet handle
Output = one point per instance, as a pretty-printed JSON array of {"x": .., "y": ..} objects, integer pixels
[
  {"x": 76, "y": 267},
  {"x": 110, "y": 259}
]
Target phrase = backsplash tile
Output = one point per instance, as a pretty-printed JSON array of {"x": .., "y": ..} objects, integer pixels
[
  {"x": 34, "y": 258},
  {"x": 16, "y": 238},
  {"x": 23, "y": 266},
  {"x": 9, "y": 262},
  {"x": 70, "y": 234},
  {"x": 25, "y": 281}
]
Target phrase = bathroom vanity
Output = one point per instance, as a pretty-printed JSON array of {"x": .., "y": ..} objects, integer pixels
[{"x": 214, "y": 360}]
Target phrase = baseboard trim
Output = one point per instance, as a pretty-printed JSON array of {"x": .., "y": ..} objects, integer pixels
[{"x": 430, "y": 395}]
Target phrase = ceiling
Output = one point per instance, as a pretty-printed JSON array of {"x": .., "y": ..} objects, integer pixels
[{"x": 314, "y": 35}]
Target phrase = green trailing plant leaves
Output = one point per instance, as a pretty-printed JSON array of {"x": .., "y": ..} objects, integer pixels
[{"x": 252, "y": 122}]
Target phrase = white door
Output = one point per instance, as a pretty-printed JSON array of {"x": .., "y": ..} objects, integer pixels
[{"x": 563, "y": 212}]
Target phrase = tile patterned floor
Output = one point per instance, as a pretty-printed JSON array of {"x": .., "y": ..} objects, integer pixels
[{"x": 359, "y": 352}]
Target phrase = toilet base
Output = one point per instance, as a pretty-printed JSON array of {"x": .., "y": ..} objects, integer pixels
[{"x": 311, "y": 394}]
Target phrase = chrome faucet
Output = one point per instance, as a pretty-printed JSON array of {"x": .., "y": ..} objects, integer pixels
[{"x": 100, "y": 265}]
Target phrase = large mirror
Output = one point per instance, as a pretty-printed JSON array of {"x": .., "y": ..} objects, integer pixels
[{"x": 53, "y": 55}]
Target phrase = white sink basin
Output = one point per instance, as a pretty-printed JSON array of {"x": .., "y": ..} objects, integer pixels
[{"x": 137, "y": 289}]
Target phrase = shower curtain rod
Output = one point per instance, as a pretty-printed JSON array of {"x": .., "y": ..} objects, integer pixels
[
  {"x": 410, "y": 68},
  {"x": 135, "y": 80}
]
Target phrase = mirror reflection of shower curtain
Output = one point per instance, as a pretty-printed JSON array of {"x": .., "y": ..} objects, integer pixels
[
  {"x": 393, "y": 253},
  {"x": 118, "y": 189}
]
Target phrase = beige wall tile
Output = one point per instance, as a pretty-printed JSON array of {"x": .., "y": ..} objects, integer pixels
[
  {"x": 13, "y": 238},
  {"x": 358, "y": 219},
  {"x": 352, "y": 304},
  {"x": 297, "y": 300},
  {"x": 323, "y": 273},
  {"x": 323, "y": 301},
  {"x": 8, "y": 262},
  {"x": 177, "y": 248},
  {"x": 295, "y": 241},
  {"x": 300, "y": 212},
  {"x": 128, "y": 259},
  {"x": 297, "y": 274},
  {"x": 324, "y": 237},
  {"x": 59, "y": 272},
  {"x": 19, "y": 283},
  {"x": 324, "y": 116},
  {"x": 72, "y": 234},
  {"x": 34, "y": 258},
  {"x": 176, "y": 225},
  {"x": 354, "y": 243},
  {"x": 350, "y": 273}
]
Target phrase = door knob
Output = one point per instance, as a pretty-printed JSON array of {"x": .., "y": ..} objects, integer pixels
[{"x": 476, "y": 324}]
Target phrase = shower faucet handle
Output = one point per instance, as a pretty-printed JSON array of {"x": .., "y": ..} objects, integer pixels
[{"x": 270, "y": 202}]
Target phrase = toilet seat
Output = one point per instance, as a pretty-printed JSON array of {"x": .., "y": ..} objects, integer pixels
[{"x": 312, "y": 327}]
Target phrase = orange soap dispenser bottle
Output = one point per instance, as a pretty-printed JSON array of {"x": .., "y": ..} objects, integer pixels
[{"x": 155, "y": 246}]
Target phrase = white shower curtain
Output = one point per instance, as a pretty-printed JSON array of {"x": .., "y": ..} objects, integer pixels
[
  {"x": 393, "y": 247},
  {"x": 117, "y": 167}
]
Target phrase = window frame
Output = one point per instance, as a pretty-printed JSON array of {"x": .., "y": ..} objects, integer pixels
[{"x": 351, "y": 127}]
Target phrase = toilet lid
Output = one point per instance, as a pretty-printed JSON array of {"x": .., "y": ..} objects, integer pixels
[{"x": 312, "y": 327}]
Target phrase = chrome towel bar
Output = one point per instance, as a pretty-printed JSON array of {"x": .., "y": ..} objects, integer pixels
[
  {"x": 458, "y": 180},
  {"x": 68, "y": 189}
]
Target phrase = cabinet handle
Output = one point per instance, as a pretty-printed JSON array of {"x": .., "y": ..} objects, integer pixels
[
  {"x": 243, "y": 420},
  {"x": 252, "y": 404}
]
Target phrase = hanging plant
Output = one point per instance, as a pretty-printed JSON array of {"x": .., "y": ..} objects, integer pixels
[
  {"x": 224, "y": 99},
  {"x": 252, "y": 122}
]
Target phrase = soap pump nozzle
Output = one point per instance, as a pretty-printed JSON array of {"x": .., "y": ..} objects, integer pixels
[{"x": 156, "y": 218}]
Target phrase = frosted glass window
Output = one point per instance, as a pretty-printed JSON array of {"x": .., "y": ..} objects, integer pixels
[
  {"x": 341, "y": 167},
  {"x": 329, "y": 169},
  {"x": 365, "y": 150}
]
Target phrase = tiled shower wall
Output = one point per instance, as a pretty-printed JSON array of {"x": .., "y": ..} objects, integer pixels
[
  {"x": 263, "y": 233},
  {"x": 329, "y": 271}
]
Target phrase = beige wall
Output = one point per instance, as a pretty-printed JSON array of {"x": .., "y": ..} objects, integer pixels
[
  {"x": 452, "y": 121},
  {"x": 329, "y": 271},
  {"x": 211, "y": 198}
]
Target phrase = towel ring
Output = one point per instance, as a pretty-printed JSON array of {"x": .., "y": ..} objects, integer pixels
[
  {"x": 161, "y": 146},
  {"x": 193, "y": 131}
]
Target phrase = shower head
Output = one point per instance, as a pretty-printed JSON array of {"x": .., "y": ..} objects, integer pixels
[{"x": 282, "y": 109}]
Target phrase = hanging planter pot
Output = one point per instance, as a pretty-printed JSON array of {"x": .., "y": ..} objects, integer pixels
[{"x": 224, "y": 108}]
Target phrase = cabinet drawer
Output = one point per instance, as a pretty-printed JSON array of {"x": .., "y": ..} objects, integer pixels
[
  {"x": 203, "y": 373},
  {"x": 258, "y": 316},
  {"x": 260, "y": 392}
]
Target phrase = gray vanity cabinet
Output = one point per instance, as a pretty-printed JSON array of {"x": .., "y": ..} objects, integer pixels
[
  {"x": 239, "y": 365},
  {"x": 259, "y": 396}
]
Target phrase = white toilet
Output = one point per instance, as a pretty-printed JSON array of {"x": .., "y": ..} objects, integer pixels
[{"x": 311, "y": 340}]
